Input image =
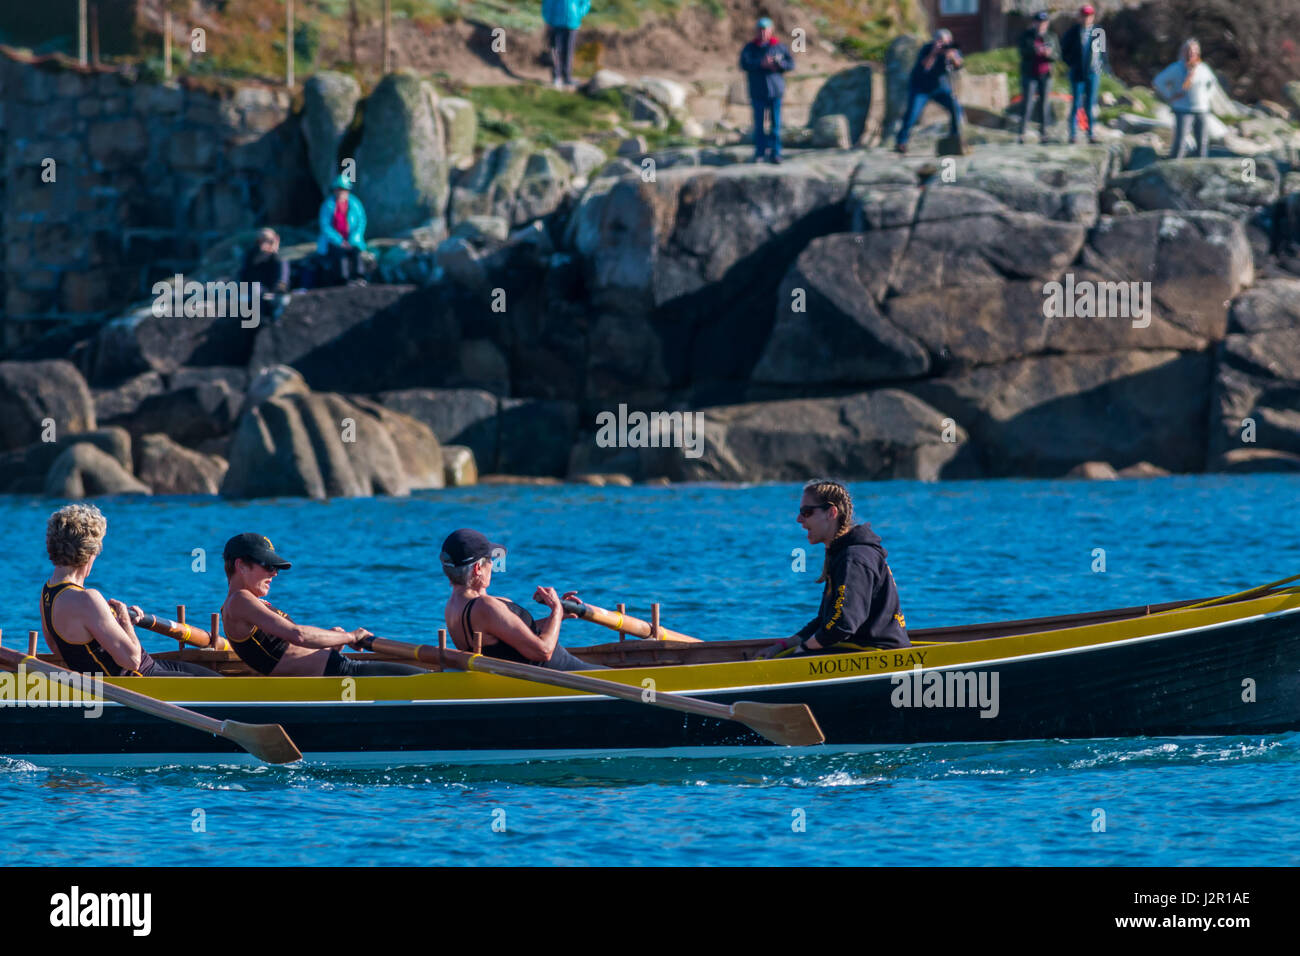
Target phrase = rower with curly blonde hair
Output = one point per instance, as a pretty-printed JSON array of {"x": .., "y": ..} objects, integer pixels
[
  {"x": 92, "y": 635},
  {"x": 860, "y": 607}
]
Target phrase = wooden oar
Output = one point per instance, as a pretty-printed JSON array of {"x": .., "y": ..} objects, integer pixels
[
  {"x": 267, "y": 742},
  {"x": 791, "y": 725},
  {"x": 180, "y": 631},
  {"x": 622, "y": 623}
]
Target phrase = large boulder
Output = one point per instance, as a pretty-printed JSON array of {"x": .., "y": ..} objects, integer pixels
[
  {"x": 142, "y": 341},
  {"x": 830, "y": 330},
  {"x": 124, "y": 399},
  {"x": 1269, "y": 304},
  {"x": 23, "y": 470},
  {"x": 1038, "y": 416},
  {"x": 865, "y": 436},
  {"x": 1053, "y": 182},
  {"x": 515, "y": 181},
  {"x": 458, "y": 466},
  {"x": 699, "y": 251},
  {"x": 40, "y": 398},
  {"x": 402, "y": 166},
  {"x": 367, "y": 339},
  {"x": 1196, "y": 262},
  {"x": 329, "y": 105},
  {"x": 315, "y": 445},
  {"x": 1255, "y": 399},
  {"x": 84, "y": 471},
  {"x": 1219, "y": 184},
  {"x": 457, "y": 416},
  {"x": 200, "y": 404},
  {"x": 171, "y": 469},
  {"x": 417, "y": 447},
  {"x": 460, "y": 122},
  {"x": 853, "y": 94}
]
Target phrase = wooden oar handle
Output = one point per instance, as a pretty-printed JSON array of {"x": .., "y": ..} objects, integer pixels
[
  {"x": 623, "y": 623},
  {"x": 176, "y": 630}
]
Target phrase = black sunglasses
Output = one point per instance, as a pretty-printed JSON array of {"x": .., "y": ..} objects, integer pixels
[{"x": 805, "y": 511}]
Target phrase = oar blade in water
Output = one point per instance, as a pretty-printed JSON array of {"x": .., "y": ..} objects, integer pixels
[
  {"x": 790, "y": 725},
  {"x": 267, "y": 742}
]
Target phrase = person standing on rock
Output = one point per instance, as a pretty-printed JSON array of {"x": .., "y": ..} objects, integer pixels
[
  {"x": 342, "y": 232},
  {"x": 930, "y": 81},
  {"x": 1186, "y": 86},
  {"x": 1038, "y": 53},
  {"x": 860, "y": 607},
  {"x": 563, "y": 17},
  {"x": 765, "y": 60},
  {"x": 1081, "y": 50}
]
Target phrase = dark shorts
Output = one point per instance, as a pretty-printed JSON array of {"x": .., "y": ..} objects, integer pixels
[
  {"x": 340, "y": 666},
  {"x": 153, "y": 668}
]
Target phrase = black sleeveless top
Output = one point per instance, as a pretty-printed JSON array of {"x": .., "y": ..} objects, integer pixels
[
  {"x": 259, "y": 650},
  {"x": 88, "y": 658},
  {"x": 500, "y": 650}
]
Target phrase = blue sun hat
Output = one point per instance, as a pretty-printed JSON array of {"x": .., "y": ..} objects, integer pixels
[
  {"x": 765, "y": 23},
  {"x": 343, "y": 182}
]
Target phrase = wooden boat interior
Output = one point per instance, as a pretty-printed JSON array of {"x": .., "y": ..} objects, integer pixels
[{"x": 658, "y": 653}]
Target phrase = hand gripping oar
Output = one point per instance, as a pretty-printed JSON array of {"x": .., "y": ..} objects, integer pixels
[
  {"x": 617, "y": 621},
  {"x": 791, "y": 725},
  {"x": 266, "y": 742}
]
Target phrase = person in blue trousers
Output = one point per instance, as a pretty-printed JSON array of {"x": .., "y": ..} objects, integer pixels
[
  {"x": 563, "y": 17},
  {"x": 930, "y": 81},
  {"x": 1081, "y": 49},
  {"x": 766, "y": 59}
]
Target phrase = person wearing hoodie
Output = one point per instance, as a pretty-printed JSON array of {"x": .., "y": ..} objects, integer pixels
[
  {"x": 1038, "y": 52},
  {"x": 563, "y": 17},
  {"x": 765, "y": 59},
  {"x": 860, "y": 607},
  {"x": 1186, "y": 86},
  {"x": 342, "y": 231}
]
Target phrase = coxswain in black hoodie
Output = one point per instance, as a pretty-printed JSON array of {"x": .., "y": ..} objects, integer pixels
[{"x": 860, "y": 606}]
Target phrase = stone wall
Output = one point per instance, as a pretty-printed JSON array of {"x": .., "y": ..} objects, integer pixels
[{"x": 110, "y": 183}]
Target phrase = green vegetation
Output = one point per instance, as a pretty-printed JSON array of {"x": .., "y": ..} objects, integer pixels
[{"x": 539, "y": 113}]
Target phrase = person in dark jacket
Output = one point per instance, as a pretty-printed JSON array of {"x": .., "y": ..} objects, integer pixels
[
  {"x": 765, "y": 59},
  {"x": 930, "y": 81},
  {"x": 860, "y": 606},
  {"x": 1081, "y": 49},
  {"x": 1039, "y": 51},
  {"x": 263, "y": 265}
]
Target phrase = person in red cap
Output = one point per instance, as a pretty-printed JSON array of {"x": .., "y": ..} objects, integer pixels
[
  {"x": 1081, "y": 49},
  {"x": 509, "y": 631}
]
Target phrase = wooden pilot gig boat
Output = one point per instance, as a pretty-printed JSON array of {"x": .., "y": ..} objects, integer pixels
[{"x": 1226, "y": 666}]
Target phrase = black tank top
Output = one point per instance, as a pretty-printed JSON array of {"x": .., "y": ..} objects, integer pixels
[
  {"x": 259, "y": 650},
  {"x": 500, "y": 650},
  {"x": 88, "y": 658}
]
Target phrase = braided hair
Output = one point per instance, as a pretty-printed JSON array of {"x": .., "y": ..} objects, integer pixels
[{"x": 831, "y": 492}]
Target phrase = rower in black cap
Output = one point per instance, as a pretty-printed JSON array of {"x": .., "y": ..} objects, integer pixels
[
  {"x": 509, "y": 631},
  {"x": 267, "y": 640}
]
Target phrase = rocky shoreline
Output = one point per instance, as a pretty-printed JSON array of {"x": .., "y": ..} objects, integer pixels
[{"x": 1025, "y": 310}]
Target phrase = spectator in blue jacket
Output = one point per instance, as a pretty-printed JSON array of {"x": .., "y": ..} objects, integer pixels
[
  {"x": 563, "y": 17},
  {"x": 765, "y": 59},
  {"x": 342, "y": 231},
  {"x": 1081, "y": 49},
  {"x": 930, "y": 81}
]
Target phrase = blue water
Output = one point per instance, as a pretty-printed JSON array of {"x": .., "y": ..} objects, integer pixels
[{"x": 720, "y": 561}]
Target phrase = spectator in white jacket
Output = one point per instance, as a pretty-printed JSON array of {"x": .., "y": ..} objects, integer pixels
[{"x": 1186, "y": 86}]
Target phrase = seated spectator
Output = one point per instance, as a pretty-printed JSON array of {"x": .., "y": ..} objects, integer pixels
[
  {"x": 342, "y": 232},
  {"x": 929, "y": 81},
  {"x": 263, "y": 265}
]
